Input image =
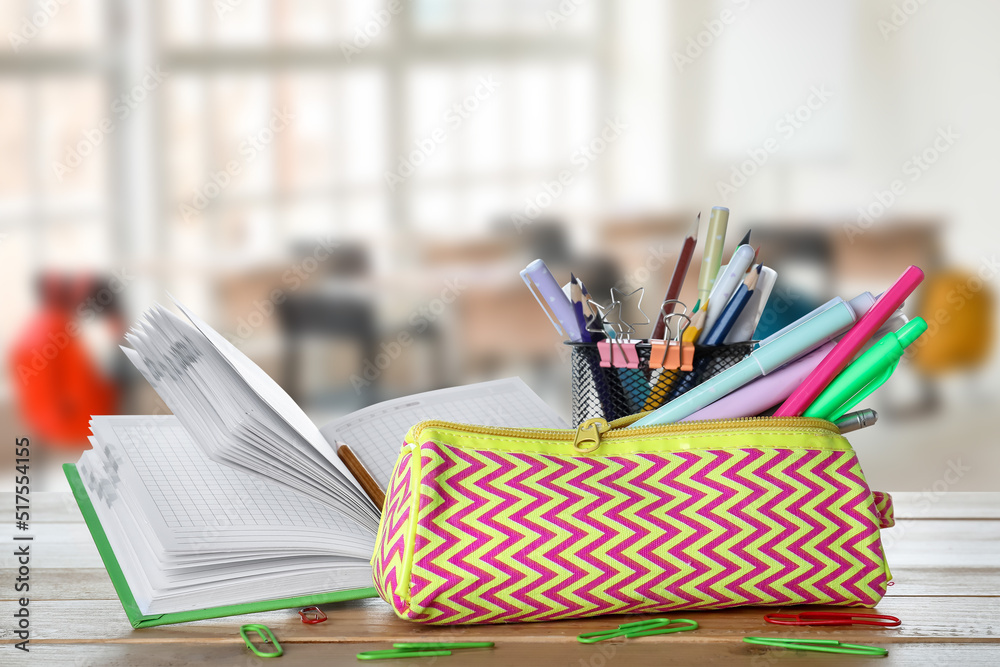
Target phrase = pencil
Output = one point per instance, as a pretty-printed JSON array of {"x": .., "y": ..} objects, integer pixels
[
  {"x": 677, "y": 279},
  {"x": 727, "y": 318},
  {"x": 368, "y": 483},
  {"x": 712, "y": 259}
]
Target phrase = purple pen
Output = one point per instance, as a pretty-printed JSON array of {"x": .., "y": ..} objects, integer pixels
[{"x": 764, "y": 392}]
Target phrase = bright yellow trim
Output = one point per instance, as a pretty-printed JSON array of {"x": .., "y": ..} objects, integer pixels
[
  {"x": 753, "y": 432},
  {"x": 403, "y": 587},
  {"x": 742, "y": 439}
]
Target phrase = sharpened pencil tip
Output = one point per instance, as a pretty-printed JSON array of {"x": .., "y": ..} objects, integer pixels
[
  {"x": 693, "y": 230},
  {"x": 746, "y": 239}
]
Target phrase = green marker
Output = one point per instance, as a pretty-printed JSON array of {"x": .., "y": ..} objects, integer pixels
[
  {"x": 711, "y": 261},
  {"x": 866, "y": 374}
]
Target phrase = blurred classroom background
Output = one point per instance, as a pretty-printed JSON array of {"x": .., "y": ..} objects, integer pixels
[{"x": 347, "y": 190}]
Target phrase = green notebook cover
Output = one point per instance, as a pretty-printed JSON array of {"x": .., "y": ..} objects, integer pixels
[{"x": 136, "y": 617}]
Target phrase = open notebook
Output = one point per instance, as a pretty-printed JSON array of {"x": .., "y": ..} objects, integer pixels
[{"x": 238, "y": 502}]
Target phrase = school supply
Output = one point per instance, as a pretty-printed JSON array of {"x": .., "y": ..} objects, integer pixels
[
  {"x": 401, "y": 650},
  {"x": 866, "y": 374},
  {"x": 859, "y": 305},
  {"x": 799, "y": 340},
  {"x": 552, "y": 299},
  {"x": 312, "y": 615},
  {"x": 819, "y": 645},
  {"x": 765, "y": 392},
  {"x": 726, "y": 285},
  {"x": 833, "y": 618},
  {"x": 677, "y": 279},
  {"x": 746, "y": 323},
  {"x": 851, "y": 343},
  {"x": 237, "y": 503},
  {"x": 266, "y": 636},
  {"x": 857, "y": 420},
  {"x": 655, "y": 626},
  {"x": 503, "y": 525},
  {"x": 715, "y": 238},
  {"x": 727, "y": 318}
]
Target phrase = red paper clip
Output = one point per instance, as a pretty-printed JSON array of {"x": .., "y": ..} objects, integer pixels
[
  {"x": 312, "y": 615},
  {"x": 832, "y": 618}
]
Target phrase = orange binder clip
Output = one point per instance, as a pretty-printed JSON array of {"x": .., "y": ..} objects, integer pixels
[{"x": 657, "y": 353}]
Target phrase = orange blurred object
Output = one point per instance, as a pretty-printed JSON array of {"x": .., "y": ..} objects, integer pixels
[
  {"x": 57, "y": 384},
  {"x": 958, "y": 308}
]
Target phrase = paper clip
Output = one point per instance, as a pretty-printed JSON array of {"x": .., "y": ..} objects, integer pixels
[
  {"x": 833, "y": 618},
  {"x": 266, "y": 636},
  {"x": 419, "y": 649},
  {"x": 312, "y": 615},
  {"x": 820, "y": 645},
  {"x": 656, "y": 626}
]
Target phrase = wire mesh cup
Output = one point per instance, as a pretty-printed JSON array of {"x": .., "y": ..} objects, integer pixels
[{"x": 613, "y": 393}]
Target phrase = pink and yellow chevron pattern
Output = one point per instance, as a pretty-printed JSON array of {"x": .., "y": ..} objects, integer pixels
[{"x": 474, "y": 534}]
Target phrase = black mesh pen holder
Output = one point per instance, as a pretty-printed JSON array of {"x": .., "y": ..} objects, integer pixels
[{"x": 613, "y": 393}]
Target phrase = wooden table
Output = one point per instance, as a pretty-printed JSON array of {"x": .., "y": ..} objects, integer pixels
[{"x": 944, "y": 553}]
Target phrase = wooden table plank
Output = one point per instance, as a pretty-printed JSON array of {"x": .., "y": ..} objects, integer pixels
[
  {"x": 638, "y": 652},
  {"x": 944, "y": 553},
  {"x": 927, "y": 618},
  {"x": 931, "y": 505}
]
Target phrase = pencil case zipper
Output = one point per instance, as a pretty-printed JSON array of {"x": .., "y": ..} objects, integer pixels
[{"x": 589, "y": 435}]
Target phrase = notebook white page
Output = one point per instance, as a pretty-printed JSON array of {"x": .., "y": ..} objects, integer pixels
[
  {"x": 375, "y": 434},
  {"x": 191, "y": 533}
]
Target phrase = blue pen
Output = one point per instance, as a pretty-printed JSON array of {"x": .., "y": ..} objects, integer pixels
[
  {"x": 552, "y": 299},
  {"x": 791, "y": 345}
]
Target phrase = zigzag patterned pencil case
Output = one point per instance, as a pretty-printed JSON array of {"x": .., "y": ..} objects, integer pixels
[{"x": 497, "y": 525}]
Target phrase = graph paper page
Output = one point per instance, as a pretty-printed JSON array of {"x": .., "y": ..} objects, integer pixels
[{"x": 376, "y": 433}]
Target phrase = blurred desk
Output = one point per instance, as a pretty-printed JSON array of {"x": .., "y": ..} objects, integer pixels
[{"x": 943, "y": 556}]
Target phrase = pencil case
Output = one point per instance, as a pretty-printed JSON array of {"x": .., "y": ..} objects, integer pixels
[{"x": 503, "y": 525}]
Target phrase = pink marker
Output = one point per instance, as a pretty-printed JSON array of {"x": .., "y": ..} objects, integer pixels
[
  {"x": 851, "y": 343},
  {"x": 764, "y": 392}
]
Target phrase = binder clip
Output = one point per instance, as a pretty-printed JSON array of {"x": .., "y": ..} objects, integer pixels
[
  {"x": 657, "y": 353},
  {"x": 604, "y": 350},
  {"x": 673, "y": 360},
  {"x": 687, "y": 356},
  {"x": 312, "y": 615},
  {"x": 658, "y": 348}
]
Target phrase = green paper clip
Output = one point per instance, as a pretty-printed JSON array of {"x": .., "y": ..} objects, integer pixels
[
  {"x": 656, "y": 626},
  {"x": 821, "y": 645},
  {"x": 419, "y": 650},
  {"x": 266, "y": 635}
]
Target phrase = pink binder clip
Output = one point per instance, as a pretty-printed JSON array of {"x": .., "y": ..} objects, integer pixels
[
  {"x": 604, "y": 349},
  {"x": 631, "y": 354}
]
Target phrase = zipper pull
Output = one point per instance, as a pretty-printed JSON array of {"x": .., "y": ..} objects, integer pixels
[{"x": 588, "y": 435}]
